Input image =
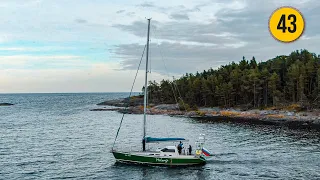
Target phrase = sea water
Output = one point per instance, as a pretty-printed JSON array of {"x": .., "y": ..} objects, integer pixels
[{"x": 56, "y": 136}]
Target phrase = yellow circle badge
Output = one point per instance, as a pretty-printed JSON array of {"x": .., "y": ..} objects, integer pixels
[{"x": 286, "y": 24}]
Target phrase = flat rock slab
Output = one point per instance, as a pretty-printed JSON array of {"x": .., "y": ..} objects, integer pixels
[
  {"x": 167, "y": 107},
  {"x": 123, "y": 102},
  {"x": 6, "y": 104},
  {"x": 106, "y": 109}
]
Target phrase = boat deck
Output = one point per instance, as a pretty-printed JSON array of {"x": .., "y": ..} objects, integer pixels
[{"x": 157, "y": 154}]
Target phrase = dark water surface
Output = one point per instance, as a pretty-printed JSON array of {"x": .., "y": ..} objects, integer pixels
[{"x": 55, "y": 136}]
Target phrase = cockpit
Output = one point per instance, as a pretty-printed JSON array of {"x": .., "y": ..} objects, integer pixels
[{"x": 169, "y": 151}]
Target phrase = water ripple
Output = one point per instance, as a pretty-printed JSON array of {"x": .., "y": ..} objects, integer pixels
[{"x": 55, "y": 136}]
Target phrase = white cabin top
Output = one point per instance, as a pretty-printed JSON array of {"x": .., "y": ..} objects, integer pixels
[
  {"x": 171, "y": 147},
  {"x": 169, "y": 151}
]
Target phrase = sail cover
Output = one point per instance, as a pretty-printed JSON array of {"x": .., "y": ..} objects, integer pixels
[{"x": 152, "y": 139}]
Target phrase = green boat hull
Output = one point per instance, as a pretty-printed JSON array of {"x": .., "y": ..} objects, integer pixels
[{"x": 150, "y": 160}]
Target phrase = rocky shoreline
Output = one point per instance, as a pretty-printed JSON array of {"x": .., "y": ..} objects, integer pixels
[{"x": 301, "y": 119}]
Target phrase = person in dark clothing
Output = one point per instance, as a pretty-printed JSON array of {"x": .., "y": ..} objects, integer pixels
[
  {"x": 190, "y": 149},
  {"x": 143, "y": 144},
  {"x": 181, "y": 144},
  {"x": 180, "y": 147}
]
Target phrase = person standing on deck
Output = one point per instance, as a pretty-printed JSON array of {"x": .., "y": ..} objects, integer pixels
[
  {"x": 190, "y": 149},
  {"x": 180, "y": 147},
  {"x": 143, "y": 144}
]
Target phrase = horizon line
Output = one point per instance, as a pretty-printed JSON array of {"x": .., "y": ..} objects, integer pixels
[{"x": 66, "y": 92}]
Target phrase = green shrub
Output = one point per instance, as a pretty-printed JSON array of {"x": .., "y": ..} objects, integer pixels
[
  {"x": 183, "y": 106},
  {"x": 200, "y": 113},
  {"x": 194, "y": 107}
]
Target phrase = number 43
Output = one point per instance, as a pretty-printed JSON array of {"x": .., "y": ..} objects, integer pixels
[{"x": 282, "y": 23}]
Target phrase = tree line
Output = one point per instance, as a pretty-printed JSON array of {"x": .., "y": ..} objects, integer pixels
[{"x": 279, "y": 81}]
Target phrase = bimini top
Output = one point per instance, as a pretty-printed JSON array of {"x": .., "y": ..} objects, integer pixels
[{"x": 152, "y": 139}]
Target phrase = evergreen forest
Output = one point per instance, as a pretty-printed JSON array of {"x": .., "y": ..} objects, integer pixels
[{"x": 283, "y": 80}]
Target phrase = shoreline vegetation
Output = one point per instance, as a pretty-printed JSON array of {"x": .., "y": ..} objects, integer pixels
[
  {"x": 282, "y": 90},
  {"x": 291, "y": 116}
]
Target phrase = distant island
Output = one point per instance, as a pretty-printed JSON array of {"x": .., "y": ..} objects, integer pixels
[
  {"x": 285, "y": 88},
  {"x": 6, "y": 104}
]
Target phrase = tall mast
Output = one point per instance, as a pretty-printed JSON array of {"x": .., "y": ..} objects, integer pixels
[{"x": 146, "y": 91}]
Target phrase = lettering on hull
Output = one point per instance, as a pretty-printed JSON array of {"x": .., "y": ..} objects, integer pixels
[{"x": 162, "y": 160}]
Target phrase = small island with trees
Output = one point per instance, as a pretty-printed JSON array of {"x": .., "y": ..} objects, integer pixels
[{"x": 284, "y": 90}]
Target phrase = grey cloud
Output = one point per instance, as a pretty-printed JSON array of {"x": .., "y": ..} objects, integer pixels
[
  {"x": 178, "y": 16},
  {"x": 182, "y": 58},
  {"x": 147, "y": 4},
  {"x": 127, "y": 13},
  {"x": 175, "y": 56},
  {"x": 312, "y": 16},
  {"x": 248, "y": 26},
  {"x": 130, "y": 13},
  {"x": 252, "y": 22},
  {"x": 120, "y": 11},
  {"x": 135, "y": 28},
  {"x": 181, "y": 31},
  {"x": 168, "y": 9},
  {"x": 80, "y": 21}
]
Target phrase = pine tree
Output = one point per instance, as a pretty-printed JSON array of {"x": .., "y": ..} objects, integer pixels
[{"x": 286, "y": 79}]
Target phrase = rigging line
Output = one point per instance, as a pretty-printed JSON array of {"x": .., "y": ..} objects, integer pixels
[
  {"x": 166, "y": 71},
  {"x": 172, "y": 81},
  {"x": 150, "y": 95},
  {"x": 115, "y": 139},
  {"x": 149, "y": 71},
  {"x": 150, "y": 52},
  {"x": 180, "y": 97},
  {"x": 175, "y": 84},
  {"x": 154, "y": 32}
]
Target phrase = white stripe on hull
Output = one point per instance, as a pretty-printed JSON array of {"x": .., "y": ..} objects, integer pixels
[{"x": 139, "y": 162}]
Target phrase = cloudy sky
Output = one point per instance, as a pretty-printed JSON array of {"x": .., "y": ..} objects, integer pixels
[{"x": 96, "y": 45}]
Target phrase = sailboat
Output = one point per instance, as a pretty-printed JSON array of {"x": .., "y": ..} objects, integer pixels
[{"x": 168, "y": 155}]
